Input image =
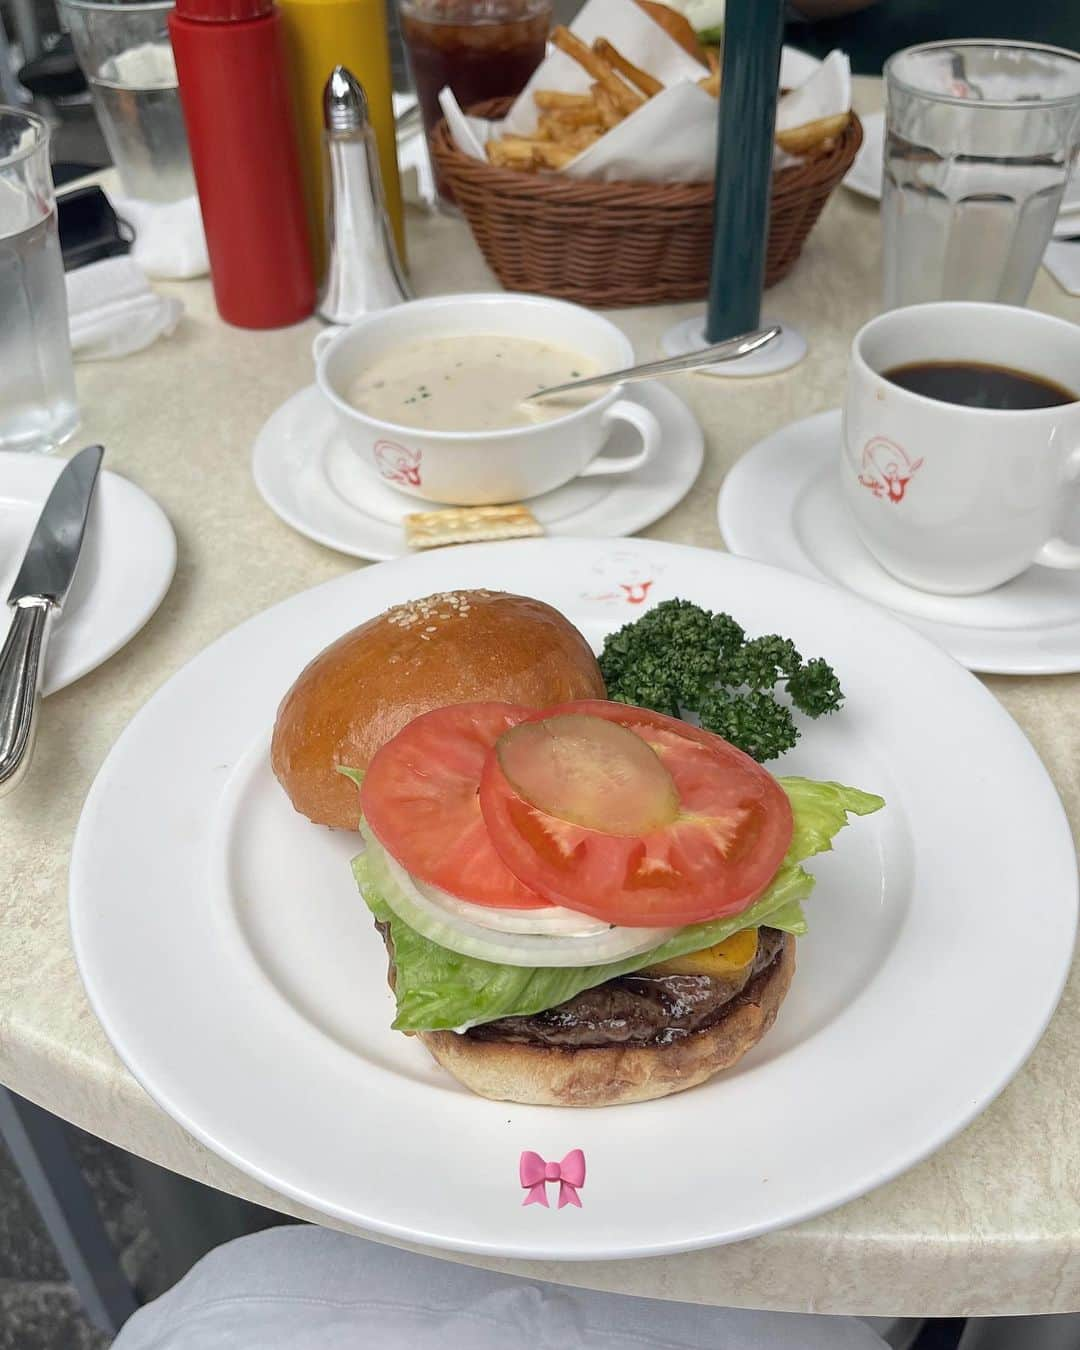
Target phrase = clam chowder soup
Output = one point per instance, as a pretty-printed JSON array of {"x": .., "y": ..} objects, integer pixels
[{"x": 471, "y": 382}]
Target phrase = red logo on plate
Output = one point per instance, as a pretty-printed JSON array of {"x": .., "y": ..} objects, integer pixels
[
  {"x": 624, "y": 579},
  {"x": 887, "y": 469},
  {"x": 636, "y": 592},
  {"x": 398, "y": 463}
]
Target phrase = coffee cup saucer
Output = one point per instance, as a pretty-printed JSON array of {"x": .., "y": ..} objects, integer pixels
[
  {"x": 782, "y": 503},
  {"x": 309, "y": 477}
]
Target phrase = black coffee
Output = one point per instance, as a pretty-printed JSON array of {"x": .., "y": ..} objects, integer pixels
[{"x": 976, "y": 385}]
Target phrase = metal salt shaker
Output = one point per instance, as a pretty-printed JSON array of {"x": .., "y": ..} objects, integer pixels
[{"x": 363, "y": 272}]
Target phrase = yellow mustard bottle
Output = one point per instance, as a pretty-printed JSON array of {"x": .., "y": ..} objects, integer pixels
[{"x": 322, "y": 34}]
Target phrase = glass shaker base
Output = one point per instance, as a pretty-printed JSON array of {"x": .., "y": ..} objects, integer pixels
[
  {"x": 40, "y": 440},
  {"x": 781, "y": 354}
]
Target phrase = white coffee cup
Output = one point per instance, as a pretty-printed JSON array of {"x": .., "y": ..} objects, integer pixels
[
  {"x": 480, "y": 468},
  {"x": 950, "y": 498}
]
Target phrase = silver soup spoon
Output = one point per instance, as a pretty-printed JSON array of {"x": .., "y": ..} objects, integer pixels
[{"x": 729, "y": 350}]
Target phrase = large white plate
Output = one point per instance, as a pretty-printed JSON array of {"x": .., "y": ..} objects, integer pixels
[
  {"x": 127, "y": 562},
  {"x": 239, "y": 977}
]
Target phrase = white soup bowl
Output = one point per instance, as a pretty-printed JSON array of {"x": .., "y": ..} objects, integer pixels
[{"x": 481, "y": 468}]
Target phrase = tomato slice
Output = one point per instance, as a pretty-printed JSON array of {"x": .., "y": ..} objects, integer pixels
[
  {"x": 729, "y": 835},
  {"x": 419, "y": 797}
]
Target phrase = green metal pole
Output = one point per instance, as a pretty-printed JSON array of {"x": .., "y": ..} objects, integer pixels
[{"x": 753, "y": 35}]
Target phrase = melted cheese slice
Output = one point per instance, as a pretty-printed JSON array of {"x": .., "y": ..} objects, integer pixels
[{"x": 726, "y": 958}]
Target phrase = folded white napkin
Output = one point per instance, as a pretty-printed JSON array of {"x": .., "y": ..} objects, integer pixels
[
  {"x": 1068, "y": 218},
  {"x": 414, "y": 163},
  {"x": 112, "y": 310},
  {"x": 824, "y": 93},
  {"x": 169, "y": 238}
]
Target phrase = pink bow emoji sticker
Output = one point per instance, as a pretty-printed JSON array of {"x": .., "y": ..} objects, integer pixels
[{"x": 535, "y": 1174}]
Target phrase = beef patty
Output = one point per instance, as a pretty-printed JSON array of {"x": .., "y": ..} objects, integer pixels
[{"x": 636, "y": 1009}]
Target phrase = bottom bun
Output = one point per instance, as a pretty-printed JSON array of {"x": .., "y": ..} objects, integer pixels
[{"x": 543, "y": 1075}]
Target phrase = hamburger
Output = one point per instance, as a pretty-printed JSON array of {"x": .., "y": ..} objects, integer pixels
[{"x": 583, "y": 903}]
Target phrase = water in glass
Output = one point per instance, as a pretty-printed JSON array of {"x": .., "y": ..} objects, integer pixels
[
  {"x": 37, "y": 383},
  {"x": 979, "y": 141},
  {"x": 125, "y": 51},
  {"x": 138, "y": 106}
]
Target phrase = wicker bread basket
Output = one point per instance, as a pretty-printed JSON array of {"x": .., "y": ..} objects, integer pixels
[{"x": 607, "y": 244}]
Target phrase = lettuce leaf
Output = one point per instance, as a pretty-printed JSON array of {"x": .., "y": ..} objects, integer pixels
[
  {"x": 437, "y": 989},
  {"x": 820, "y": 812}
]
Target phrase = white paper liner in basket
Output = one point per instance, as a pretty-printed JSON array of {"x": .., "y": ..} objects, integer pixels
[{"x": 671, "y": 138}]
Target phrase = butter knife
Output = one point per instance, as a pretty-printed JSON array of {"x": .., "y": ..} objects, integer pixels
[{"x": 38, "y": 593}]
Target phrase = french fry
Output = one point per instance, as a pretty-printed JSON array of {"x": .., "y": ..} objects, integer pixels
[
  {"x": 512, "y": 152},
  {"x": 527, "y": 154},
  {"x": 625, "y": 98},
  {"x": 562, "y": 120},
  {"x": 547, "y": 156},
  {"x": 549, "y": 128},
  {"x": 641, "y": 79},
  {"x": 801, "y": 140},
  {"x": 570, "y": 122},
  {"x": 610, "y": 116},
  {"x": 555, "y": 100},
  {"x": 582, "y": 138},
  {"x": 570, "y": 138},
  {"x": 713, "y": 58}
]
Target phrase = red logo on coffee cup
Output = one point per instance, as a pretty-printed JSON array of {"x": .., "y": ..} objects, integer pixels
[{"x": 887, "y": 469}]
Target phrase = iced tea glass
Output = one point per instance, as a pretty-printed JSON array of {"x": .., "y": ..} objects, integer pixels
[{"x": 481, "y": 49}]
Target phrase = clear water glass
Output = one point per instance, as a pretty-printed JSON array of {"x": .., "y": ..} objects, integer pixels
[
  {"x": 980, "y": 138},
  {"x": 127, "y": 58},
  {"x": 38, "y": 410}
]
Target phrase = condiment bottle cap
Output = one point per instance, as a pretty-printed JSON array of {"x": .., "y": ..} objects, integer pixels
[{"x": 223, "y": 11}]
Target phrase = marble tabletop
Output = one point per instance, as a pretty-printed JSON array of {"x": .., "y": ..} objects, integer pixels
[{"x": 989, "y": 1224}]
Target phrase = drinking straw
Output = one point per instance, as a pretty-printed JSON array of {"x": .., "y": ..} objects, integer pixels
[{"x": 753, "y": 34}]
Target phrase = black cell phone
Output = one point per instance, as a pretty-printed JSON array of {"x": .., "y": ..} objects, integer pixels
[{"x": 89, "y": 227}]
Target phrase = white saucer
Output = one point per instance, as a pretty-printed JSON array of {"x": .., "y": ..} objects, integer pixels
[
  {"x": 127, "y": 562},
  {"x": 782, "y": 504},
  {"x": 310, "y": 478}
]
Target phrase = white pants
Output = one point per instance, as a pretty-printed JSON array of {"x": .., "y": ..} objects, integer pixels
[
  {"x": 308, "y": 1288},
  {"x": 1060, "y": 1332}
]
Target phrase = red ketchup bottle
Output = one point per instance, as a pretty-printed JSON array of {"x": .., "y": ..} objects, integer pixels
[{"x": 232, "y": 67}]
